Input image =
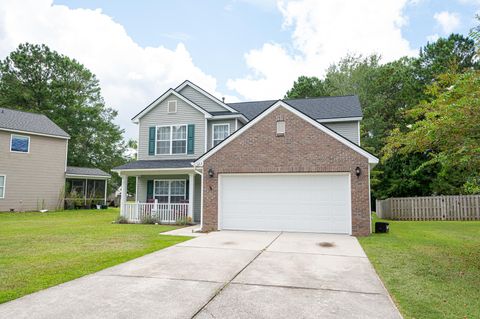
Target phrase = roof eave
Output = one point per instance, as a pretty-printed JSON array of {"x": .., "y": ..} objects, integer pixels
[{"x": 34, "y": 133}]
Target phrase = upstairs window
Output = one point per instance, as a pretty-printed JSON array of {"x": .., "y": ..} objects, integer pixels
[
  {"x": 163, "y": 140},
  {"x": 220, "y": 132},
  {"x": 20, "y": 143},
  {"x": 172, "y": 106},
  {"x": 179, "y": 139},
  {"x": 171, "y": 140}
]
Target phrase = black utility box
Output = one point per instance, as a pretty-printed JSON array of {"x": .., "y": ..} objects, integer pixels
[{"x": 381, "y": 227}]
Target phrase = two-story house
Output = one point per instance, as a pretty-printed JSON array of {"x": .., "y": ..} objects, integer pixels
[
  {"x": 33, "y": 166},
  {"x": 292, "y": 165}
]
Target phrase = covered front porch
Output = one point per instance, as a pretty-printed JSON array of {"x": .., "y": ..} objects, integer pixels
[{"x": 163, "y": 195}]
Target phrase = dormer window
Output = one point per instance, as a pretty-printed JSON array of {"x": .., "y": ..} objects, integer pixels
[{"x": 172, "y": 106}]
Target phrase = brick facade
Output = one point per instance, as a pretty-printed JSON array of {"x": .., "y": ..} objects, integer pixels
[{"x": 303, "y": 148}]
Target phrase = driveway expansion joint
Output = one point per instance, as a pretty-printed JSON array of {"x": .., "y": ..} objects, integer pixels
[
  {"x": 222, "y": 248},
  {"x": 163, "y": 278},
  {"x": 235, "y": 276},
  {"x": 308, "y": 288},
  {"x": 305, "y": 253}
]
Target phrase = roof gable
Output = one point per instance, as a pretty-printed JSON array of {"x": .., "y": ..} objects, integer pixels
[
  {"x": 206, "y": 94},
  {"x": 371, "y": 159},
  {"x": 164, "y": 96},
  {"x": 31, "y": 123}
]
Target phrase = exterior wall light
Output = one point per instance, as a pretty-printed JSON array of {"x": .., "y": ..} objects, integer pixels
[
  {"x": 211, "y": 173},
  {"x": 358, "y": 171}
]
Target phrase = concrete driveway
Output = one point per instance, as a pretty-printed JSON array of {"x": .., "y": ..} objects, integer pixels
[{"x": 227, "y": 274}]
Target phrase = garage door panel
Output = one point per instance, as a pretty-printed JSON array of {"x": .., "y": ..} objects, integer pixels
[{"x": 318, "y": 203}]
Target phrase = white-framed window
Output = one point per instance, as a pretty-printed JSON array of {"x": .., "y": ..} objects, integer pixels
[
  {"x": 170, "y": 190},
  {"x": 3, "y": 179},
  {"x": 219, "y": 133},
  {"x": 280, "y": 128},
  {"x": 171, "y": 140},
  {"x": 172, "y": 106},
  {"x": 19, "y": 143}
]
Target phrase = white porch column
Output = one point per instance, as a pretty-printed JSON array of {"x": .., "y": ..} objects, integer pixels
[
  {"x": 123, "y": 196},
  {"x": 191, "y": 194}
]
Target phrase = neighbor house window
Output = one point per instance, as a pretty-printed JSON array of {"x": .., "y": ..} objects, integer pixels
[
  {"x": 2, "y": 186},
  {"x": 20, "y": 143},
  {"x": 220, "y": 132},
  {"x": 172, "y": 106},
  {"x": 170, "y": 191},
  {"x": 172, "y": 140}
]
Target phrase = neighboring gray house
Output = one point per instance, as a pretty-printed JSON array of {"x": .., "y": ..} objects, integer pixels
[
  {"x": 267, "y": 165},
  {"x": 33, "y": 162}
]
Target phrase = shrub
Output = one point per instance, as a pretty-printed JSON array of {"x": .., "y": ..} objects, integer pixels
[
  {"x": 149, "y": 220},
  {"x": 121, "y": 220}
]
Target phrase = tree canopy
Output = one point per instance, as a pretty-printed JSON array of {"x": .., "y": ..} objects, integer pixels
[
  {"x": 396, "y": 98},
  {"x": 447, "y": 129},
  {"x": 36, "y": 79}
]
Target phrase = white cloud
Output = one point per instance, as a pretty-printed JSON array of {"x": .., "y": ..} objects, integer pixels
[
  {"x": 433, "y": 37},
  {"x": 448, "y": 21},
  {"x": 323, "y": 32},
  {"x": 131, "y": 76}
]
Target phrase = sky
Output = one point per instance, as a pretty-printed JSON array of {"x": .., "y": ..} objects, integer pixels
[{"x": 238, "y": 49}]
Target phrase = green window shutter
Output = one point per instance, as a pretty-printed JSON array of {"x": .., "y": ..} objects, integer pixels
[
  {"x": 191, "y": 139},
  {"x": 151, "y": 140},
  {"x": 149, "y": 189}
]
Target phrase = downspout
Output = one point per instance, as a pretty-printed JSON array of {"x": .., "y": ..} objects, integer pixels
[{"x": 201, "y": 196}]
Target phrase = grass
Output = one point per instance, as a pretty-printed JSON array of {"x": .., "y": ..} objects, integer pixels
[
  {"x": 431, "y": 269},
  {"x": 40, "y": 250}
]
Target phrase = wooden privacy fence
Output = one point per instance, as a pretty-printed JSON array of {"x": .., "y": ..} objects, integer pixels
[{"x": 461, "y": 207}]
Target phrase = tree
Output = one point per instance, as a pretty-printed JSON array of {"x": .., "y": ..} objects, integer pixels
[
  {"x": 475, "y": 35},
  {"x": 305, "y": 87},
  {"x": 37, "y": 79},
  {"x": 385, "y": 91},
  {"x": 453, "y": 54},
  {"x": 447, "y": 129}
]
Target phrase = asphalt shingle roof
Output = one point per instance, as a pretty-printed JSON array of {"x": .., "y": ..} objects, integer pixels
[
  {"x": 156, "y": 164},
  {"x": 318, "y": 108},
  {"x": 29, "y": 122},
  {"x": 87, "y": 171}
]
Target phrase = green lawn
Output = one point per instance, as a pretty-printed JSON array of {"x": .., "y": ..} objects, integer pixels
[
  {"x": 39, "y": 250},
  {"x": 431, "y": 269}
]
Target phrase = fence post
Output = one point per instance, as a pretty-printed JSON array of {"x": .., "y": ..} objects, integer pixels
[{"x": 378, "y": 208}]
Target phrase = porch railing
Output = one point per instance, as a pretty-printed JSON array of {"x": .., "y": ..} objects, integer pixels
[{"x": 163, "y": 213}]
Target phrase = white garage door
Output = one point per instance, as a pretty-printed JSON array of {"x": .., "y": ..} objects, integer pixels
[{"x": 305, "y": 203}]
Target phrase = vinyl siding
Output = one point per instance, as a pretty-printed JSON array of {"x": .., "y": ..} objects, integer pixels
[
  {"x": 346, "y": 129},
  {"x": 201, "y": 100},
  {"x": 210, "y": 129},
  {"x": 159, "y": 116},
  {"x": 142, "y": 190},
  {"x": 35, "y": 176}
]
